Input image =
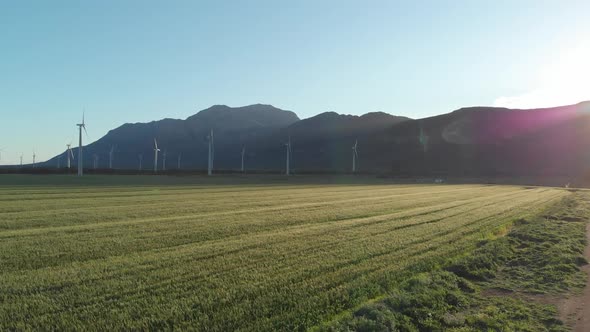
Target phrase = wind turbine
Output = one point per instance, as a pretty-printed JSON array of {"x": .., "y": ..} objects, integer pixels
[
  {"x": 423, "y": 139},
  {"x": 354, "y": 155},
  {"x": 288, "y": 147},
  {"x": 21, "y": 160},
  {"x": 243, "y": 154},
  {"x": 211, "y": 153},
  {"x": 95, "y": 157},
  {"x": 140, "y": 161},
  {"x": 156, "y": 155},
  {"x": 80, "y": 161},
  {"x": 34, "y": 158},
  {"x": 111, "y": 156},
  {"x": 164, "y": 160},
  {"x": 69, "y": 154},
  {"x": 179, "y": 156}
]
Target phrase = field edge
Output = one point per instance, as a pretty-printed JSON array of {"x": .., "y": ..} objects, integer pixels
[{"x": 484, "y": 289}]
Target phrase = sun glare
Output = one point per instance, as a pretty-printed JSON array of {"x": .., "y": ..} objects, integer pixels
[{"x": 562, "y": 82}]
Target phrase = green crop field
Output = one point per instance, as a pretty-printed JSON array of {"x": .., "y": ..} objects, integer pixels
[{"x": 204, "y": 256}]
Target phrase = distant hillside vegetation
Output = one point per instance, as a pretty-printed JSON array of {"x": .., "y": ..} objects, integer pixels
[{"x": 470, "y": 141}]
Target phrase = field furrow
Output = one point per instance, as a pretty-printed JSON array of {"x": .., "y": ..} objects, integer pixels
[{"x": 249, "y": 257}]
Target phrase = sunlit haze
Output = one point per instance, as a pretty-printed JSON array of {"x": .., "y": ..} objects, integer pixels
[{"x": 562, "y": 81}]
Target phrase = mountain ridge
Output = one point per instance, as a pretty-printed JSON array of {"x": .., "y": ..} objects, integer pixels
[{"x": 471, "y": 140}]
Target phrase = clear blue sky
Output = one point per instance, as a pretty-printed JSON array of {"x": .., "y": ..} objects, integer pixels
[{"x": 136, "y": 61}]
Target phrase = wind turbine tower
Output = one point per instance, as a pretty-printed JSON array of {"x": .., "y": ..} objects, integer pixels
[
  {"x": 21, "y": 160},
  {"x": 111, "y": 153},
  {"x": 211, "y": 153},
  {"x": 95, "y": 157},
  {"x": 179, "y": 156},
  {"x": 423, "y": 139},
  {"x": 243, "y": 154},
  {"x": 156, "y": 155},
  {"x": 288, "y": 147},
  {"x": 80, "y": 161},
  {"x": 34, "y": 158},
  {"x": 354, "y": 156},
  {"x": 69, "y": 154},
  {"x": 140, "y": 161}
]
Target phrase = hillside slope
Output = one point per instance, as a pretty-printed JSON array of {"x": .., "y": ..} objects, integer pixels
[{"x": 470, "y": 141}]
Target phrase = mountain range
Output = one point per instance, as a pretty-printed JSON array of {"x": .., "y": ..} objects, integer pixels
[{"x": 470, "y": 141}]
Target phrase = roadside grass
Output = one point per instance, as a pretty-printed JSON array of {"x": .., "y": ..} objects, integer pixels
[
  {"x": 492, "y": 288},
  {"x": 443, "y": 301}
]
